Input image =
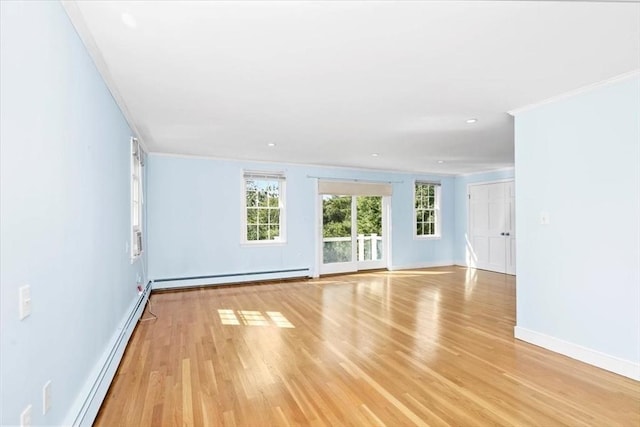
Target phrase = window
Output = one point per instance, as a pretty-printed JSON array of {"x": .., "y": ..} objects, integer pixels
[
  {"x": 264, "y": 207},
  {"x": 427, "y": 209},
  {"x": 136, "y": 198}
]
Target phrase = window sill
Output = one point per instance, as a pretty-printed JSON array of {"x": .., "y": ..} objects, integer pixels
[
  {"x": 258, "y": 244},
  {"x": 427, "y": 237}
]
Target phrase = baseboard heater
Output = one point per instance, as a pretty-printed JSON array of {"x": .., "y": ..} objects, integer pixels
[
  {"x": 91, "y": 404},
  {"x": 302, "y": 271}
]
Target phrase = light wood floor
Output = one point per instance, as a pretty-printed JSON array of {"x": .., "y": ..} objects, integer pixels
[{"x": 423, "y": 347}]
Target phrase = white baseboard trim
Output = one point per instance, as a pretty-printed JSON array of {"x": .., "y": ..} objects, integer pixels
[
  {"x": 228, "y": 279},
  {"x": 86, "y": 406},
  {"x": 592, "y": 357},
  {"x": 446, "y": 263}
]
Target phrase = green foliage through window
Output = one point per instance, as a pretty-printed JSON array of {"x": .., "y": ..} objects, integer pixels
[
  {"x": 426, "y": 209},
  {"x": 263, "y": 209},
  {"x": 336, "y": 225}
]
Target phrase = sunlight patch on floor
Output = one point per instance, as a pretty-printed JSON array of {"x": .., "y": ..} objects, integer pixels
[{"x": 253, "y": 318}]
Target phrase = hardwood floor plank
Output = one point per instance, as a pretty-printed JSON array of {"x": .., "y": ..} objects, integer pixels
[{"x": 431, "y": 347}]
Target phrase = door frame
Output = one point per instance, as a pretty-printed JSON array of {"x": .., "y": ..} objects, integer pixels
[{"x": 468, "y": 230}]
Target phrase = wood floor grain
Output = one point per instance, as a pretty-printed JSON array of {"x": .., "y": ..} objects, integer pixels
[{"x": 428, "y": 347}]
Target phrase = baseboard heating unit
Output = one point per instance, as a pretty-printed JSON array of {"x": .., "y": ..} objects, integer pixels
[{"x": 225, "y": 278}]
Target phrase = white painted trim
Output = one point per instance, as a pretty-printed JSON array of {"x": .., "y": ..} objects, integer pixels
[
  {"x": 575, "y": 351},
  {"x": 318, "y": 226},
  {"x": 578, "y": 91},
  {"x": 506, "y": 169},
  {"x": 87, "y": 404},
  {"x": 309, "y": 165},
  {"x": 228, "y": 280},
  {"x": 387, "y": 230},
  {"x": 446, "y": 263}
]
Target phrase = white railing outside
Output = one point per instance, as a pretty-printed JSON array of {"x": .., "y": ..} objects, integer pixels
[{"x": 338, "y": 249}]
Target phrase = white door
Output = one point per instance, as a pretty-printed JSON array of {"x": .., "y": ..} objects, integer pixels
[{"x": 492, "y": 227}]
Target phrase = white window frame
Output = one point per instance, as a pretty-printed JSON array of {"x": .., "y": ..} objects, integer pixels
[
  {"x": 436, "y": 211},
  {"x": 137, "y": 199},
  {"x": 282, "y": 191}
]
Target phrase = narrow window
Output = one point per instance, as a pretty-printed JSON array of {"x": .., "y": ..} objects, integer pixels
[
  {"x": 427, "y": 209},
  {"x": 264, "y": 207},
  {"x": 136, "y": 198}
]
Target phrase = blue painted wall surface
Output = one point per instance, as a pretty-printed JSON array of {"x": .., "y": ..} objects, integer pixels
[
  {"x": 461, "y": 207},
  {"x": 64, "y": 212},
  {"x": 195, "y": 212},
  {"x": 579, "y": 277}
]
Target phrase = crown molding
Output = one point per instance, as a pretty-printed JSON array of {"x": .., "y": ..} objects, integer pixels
[
  {"x": 580, "y": 90},
  {"x": 79, "y": 23}
]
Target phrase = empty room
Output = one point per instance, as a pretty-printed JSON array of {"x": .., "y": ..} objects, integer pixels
[{"x": 327, "y": 213}]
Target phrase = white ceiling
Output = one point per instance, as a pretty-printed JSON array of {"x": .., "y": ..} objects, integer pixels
[{"x": 332, "y": 82}]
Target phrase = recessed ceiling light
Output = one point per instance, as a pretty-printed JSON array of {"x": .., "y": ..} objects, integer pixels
[
  {"x": 440, "y": 161},
  {"x": 374, "y": 154},
  {"x": 129, "y": 20},
  {"x": 271, "y": 144},
  {"x": 471, "y": 120}
]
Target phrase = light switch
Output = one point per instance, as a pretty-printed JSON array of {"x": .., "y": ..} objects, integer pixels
[{"x": 25, "y": 301}]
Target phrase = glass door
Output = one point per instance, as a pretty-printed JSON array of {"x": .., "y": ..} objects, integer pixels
[
  {"x": 353, "y": 235},
  {"x": 338, "y": 249},
  {"x": 370, "y": 239}
]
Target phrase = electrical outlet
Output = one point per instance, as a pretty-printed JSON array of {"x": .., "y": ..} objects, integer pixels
[
  {"x": 25, "y": 301},
  {"x": 25, "y": 417},
  {"x": 46, "y": 397}
]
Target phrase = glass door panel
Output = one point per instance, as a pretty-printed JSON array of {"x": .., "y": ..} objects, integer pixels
[
  {"x": 353, "y": 236},
  {"x": 337, "y": 240},
  {"x": 370, "y": 232},
  {"x": 369, "y": 223}
]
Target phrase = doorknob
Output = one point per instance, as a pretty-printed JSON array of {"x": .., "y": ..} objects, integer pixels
[
  {"x": 506, "y": 234},
  {"x": 502, "y": 234}
]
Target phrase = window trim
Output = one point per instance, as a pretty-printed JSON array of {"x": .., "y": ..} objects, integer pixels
[
  {"x": 437, "y": 211},
  {"x": 136, "y": 177},
  {"x": 282, "y": 206}
]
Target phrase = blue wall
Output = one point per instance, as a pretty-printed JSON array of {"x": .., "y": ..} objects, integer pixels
[
  {"x": 579, "y": 277},
  {"x": 65, "y": 222},
  {"x": 64, "y": 212},
  {"x": 461, "y": 204},
  {"x": 195, "y": 218}
]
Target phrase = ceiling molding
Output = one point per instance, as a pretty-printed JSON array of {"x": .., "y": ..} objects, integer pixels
[
  {"x": 312, "y": 165},
  {"x": 507, "y": 169},
  {"x": 580, "y": 90},
  {"x": 79, "y": 23}
]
